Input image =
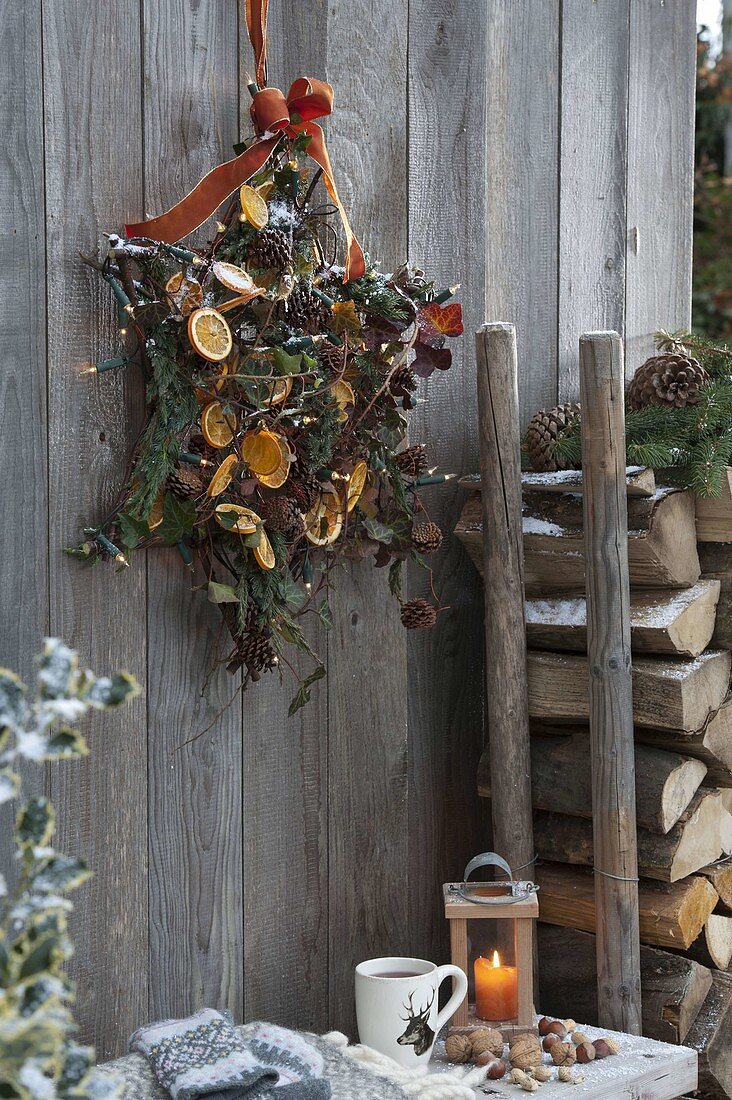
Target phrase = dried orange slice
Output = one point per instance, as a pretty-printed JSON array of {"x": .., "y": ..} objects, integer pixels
[
  {"x": 236, "y": 278},
  {"x": 324, "y": 521},
  {"x": 344, "y": 395},
  {"x": 266, "y": 190},
  {"x": 279, "y": 390},
  {"x": 222, "y": 478},
  {"x": 356, "y": 484},
  {"x": 156, "y": 512},
  {"x": 209, "y": 334},
  {"x": 261, "y": 452},
  {"x": 217, "y": 426},
  {"x": 187, "y": 293},
  {"x": 246, "y": 522},
  {"x": 281, "y": 474},
  {"x": 263, "y": 552},
  {"x": 253, "y": 207}
]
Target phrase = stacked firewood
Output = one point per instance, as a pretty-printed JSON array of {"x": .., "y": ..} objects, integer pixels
[{"x": 681, "y": 636}]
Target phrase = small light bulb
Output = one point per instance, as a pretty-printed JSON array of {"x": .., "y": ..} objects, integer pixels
[
  {"x": 122, "y": 560},
  {"x": 123, "y": 331},
  {"x": 432, "y": 471},
  {"x": 196, "y": 261},
  {"x": 220, "y": 227},
  {"x": 308, "y": 585},
  {"x": 129, "y": 308}
]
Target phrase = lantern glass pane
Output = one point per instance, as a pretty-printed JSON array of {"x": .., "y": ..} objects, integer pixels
[{"x": 493, "y": 969}]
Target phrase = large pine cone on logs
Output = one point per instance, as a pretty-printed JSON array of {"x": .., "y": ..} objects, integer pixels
[
  {"x": 544, "y": 428},
  {"x": 668, "y": 380}
]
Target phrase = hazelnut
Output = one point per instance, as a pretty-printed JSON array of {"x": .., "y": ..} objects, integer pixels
[
  {"x": 524, "y": 1051},
  {"x": 486, "y": 1039},
  {"x": 549, "y": 1041},
  {"x": 585, "y": 1053},
  {"x": 605, "y": 1047},
  {"x": 544, "y": 1023},
  {"x": 563, "y": 1054},
  {"x": 556, "y": 1027},
  {"x": 496, "y": 1066},
  {"x": 458, "y": 1048}
]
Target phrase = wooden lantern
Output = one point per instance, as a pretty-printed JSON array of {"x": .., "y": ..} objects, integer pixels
[{"x": 491, "y": 939}]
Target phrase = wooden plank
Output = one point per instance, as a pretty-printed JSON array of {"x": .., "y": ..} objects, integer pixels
[
  {"x": 665, "y": 782},
  {"x": 660, "y": 146},
  {"x": 23, "y": 410},
  {"x": 666, "y": 694},
  {"x": 593, "y": 143},
  {"x": 710, "y": 1036},
  {"x": 639, "y": 482},
  {"x": 522, "y": 164},
  {"x": 674, "y": 987},
  {"x": 661, "y": 545},
  {"x": 447, "y": 47},
  {"x": 678, "y": 623},
  {"x": 712, "y": 743},
  {"x": 670, "y": 915},
  {"x": 715, "y": 559},
  {"x": 694, "y": 841},
  {"x": 507, "y": 709},
  {"x": 367, "y": 667},
  {"x": 612, "y": 752},
  {"x": 92, "y": 183},
  {"x": 190, "y": 107},
  {"x": 285, "y": 760},
  {"x": 714, "y": 514}
]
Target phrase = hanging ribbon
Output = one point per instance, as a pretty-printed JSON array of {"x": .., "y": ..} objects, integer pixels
[{"x": 274, "y": 115}]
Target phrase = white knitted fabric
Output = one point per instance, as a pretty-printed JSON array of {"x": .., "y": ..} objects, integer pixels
[{"x": 455, "y": 1084}]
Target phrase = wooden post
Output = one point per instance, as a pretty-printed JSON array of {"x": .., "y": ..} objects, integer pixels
[
  {"x": 611, "y": 701},
  {"x": 507, "y": 708}
]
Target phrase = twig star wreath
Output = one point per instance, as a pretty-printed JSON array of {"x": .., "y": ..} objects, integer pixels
[{"x": 277, "y": 386}]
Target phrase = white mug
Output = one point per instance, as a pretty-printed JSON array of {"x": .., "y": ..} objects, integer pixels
[{"x": 396, "y": 1006}]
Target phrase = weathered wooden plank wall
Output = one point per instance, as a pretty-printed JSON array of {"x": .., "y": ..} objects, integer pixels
[{"x": 513, "y": 145}]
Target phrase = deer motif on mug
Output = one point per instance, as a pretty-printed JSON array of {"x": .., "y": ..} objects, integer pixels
[{"x": 418, "y": 1033}]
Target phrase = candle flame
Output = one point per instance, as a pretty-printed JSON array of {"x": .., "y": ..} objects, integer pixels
[{"x": 496, "y": 959}]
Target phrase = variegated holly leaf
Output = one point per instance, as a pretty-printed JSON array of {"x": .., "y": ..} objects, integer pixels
[
  {"x": 59, "y": 874},
  {"x": 111, "y": 691},
  {"x": 35, "y": 823},
  {"x": 9, "y": 785},
  {"x": 57, "y": 670},
  {"x": 65, "y": 744},
  {"x": 13, "y": 705}
]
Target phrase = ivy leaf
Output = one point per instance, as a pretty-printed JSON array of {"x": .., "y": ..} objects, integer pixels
[
  {"x": 379, "y": 531},
  {"x": 302, "y": 697},
  {"x": 131, "y": 530},
  {"x": 36, "y": 822},
  {"x": 429, "y": 359},
  {"x": 287, "y": 364},
  {"x": 325, "y": 615},
  {"x": 179, "y": 516},
  {"x": 292, "y": 593},
  {"x": 436, "y": 320},
  {"x": 344, "y": 318},
  {"x": 221, "y": 593},
  {"x": 395, "y": 579},
  {"x": 301, "y": 143}
]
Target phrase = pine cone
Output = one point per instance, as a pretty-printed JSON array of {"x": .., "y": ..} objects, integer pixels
[
  {"x": 412, "y": 462},
  {"x": 306, "y": 310},
  {"x": 303, "y": 485},
  {"x": 197, "y": 445},
  {"x": 427, "y": 537},
  {"x": 403, "y": 384},
  {"x": 270, "y": 249},
  {"x": 668, "y": 380},
  {"x": 184, "y": 482},
  {"x": 256, "y": 652},
  {"x": 282, "y": 514},
  {"x": 332, "y": 357},
  {"x": 418, "y": 615},
  {"x": 544, "y": 428}
]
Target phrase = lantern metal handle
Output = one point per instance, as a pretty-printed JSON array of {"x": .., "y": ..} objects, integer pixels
[{"x": 467, "y": 891}]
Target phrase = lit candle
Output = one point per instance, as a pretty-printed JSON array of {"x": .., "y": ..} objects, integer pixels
[{"x": 496, "y": 989}]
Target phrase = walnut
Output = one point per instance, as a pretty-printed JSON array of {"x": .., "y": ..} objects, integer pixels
[
  {"x": 563, "y": 1054},
  {"x": 524, "y": 1051},
  {"x": 486, "y": 1038},
  {"x": 458, "y": 1048}
]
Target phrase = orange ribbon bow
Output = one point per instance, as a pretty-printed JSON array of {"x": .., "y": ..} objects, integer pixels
[{"x": 273, "y": 116}]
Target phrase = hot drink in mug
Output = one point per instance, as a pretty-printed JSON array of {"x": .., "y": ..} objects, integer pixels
[{"x": 396, "y": 1006}]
